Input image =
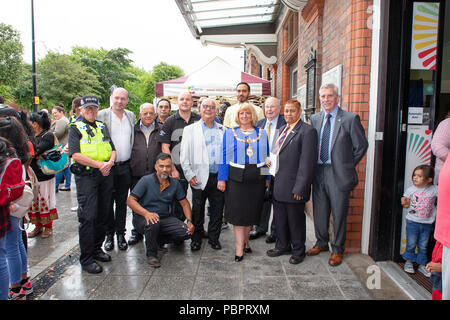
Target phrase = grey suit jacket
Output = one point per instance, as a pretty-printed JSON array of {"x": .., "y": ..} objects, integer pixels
[
  {"x": 296, "y": 163},
  {"x": 105, "y": 117},
  {"x": 348, "y": 146}
]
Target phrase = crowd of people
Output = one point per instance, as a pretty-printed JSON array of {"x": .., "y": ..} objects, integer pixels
[{"x": 242, "y": 163}]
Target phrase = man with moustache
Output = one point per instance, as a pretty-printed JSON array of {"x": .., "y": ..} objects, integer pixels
[
  {"x": 163, "y": 110},
  {"x": 151, "y": 199},
  {"x": 120, "y": 123},
  {"x": 170, "y": 137},
  {"x": 144, "y": 152},
  {"x": 242, "y": 93}
]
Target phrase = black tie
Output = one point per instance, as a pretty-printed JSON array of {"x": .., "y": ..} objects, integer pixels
[{"x": 325, "y": 140}]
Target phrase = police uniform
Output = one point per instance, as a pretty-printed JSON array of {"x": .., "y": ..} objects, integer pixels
[{"x": 93, "y": 189}]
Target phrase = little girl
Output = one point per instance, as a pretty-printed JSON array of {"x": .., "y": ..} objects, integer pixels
[{"x": 420, "y": 201}]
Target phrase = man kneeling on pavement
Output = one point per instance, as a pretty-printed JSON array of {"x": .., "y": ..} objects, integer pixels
[{"x": 151, "y": 200}]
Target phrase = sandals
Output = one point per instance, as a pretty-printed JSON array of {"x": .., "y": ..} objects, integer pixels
[{"x": 34, "y": 233}]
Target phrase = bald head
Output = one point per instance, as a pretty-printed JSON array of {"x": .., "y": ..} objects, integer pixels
[
  {"x": 272, "y": 108},
  {"x": 185, "y": 102}
]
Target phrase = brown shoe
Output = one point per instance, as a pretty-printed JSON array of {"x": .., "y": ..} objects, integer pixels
[
  {"x": 46, "y": 233},
  {"x": 34, "y": 233},
  {"x": 335, "y": 259},
  {"x": 316, "y": 250}
]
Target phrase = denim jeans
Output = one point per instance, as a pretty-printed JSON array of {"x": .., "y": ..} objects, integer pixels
[
  {"x": 4, "y": 276},
  {"x": 15, "y": 252},
  {"x": 417, "y": 236},
  {"x": 67, "y": 178}
]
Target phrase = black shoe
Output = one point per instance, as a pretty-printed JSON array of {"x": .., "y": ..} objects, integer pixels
[
  {"x": 109, "y": 242},
  {"x": 195, "y": 246},
  {"x": 296, "y": 259},
  {"x": 102, "y": 256},
  {"x": 162, "y": 248},
  {"x": 224, "y": 225},
  {"x": 135, "y": 238},
  {"x": 121, "y": 242},
  {"x": 238, "y": 258},
  {"x": 64, "y": 189},
  {"x": 153, "y": 262},
  {"x": 94, "y": 267},
  {"x": 271, "y": 239},
  {"x": 248, "y": 250},
  {"x": 255, "y": 235},
  {"x": 276, "y": 253},
  {"x": 215, "y": 245},
  {"x": 205, "y": 235}
]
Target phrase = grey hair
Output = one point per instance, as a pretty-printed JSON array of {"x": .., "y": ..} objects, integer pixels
[
  {"x": 147, "y": 104},
  {"x": 276, "y": 99},
  {"x": 330, "y": 86}
]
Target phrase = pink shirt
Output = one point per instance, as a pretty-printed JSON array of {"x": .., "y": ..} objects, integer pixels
[
  {"x": 440, "y": 145},
  {"x": 442, "y": 231}
]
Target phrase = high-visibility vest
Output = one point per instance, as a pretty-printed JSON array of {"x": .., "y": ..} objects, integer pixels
[{"x": 92, "y": 143}]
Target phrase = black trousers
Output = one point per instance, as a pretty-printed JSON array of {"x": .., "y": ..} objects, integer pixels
[
  {"x": 166, "y": 230},
  {"x": 216, "y": 201},
  {"x": 94, "y": 202},
  {"x": 290, "y": 220},
  {"x": 176, "y": 209},
  {"x": 118, "y": 215},
  {"x": 263, "y": 225}
]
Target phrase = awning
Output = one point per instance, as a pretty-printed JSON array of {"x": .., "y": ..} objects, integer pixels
[{"x": 217, "y": 78}]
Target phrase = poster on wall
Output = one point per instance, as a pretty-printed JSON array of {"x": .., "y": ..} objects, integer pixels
[
  {"x": 424, "y": 35},
  {"x": 333, "y": 76},
  {"x": 418, "y": 152}
]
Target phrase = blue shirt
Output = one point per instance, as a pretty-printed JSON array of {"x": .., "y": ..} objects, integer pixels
[
  {"x": 236, "y": 151},
  {"x": 149, "y": 196},
  {"x": 213, "y": 141},
  {"x": 332, "y": 121}
]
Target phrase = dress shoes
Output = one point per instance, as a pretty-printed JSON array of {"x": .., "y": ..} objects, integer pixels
[
  {"x": 93, "y": 267},
  {"x": 238, "y": 258},
  {"x": 215, "y": 245},
  {"x": 248, "y": 250},
  {"x": 109, "y": 242},
  {"x": 296, "y": 259},
  {"x": 134, "y": 239},
  {"x": 271, "y": 239},
  {"x": 205, "y": 235},
  {"x": 335, "y": 259},
  {"x": 195, "y": 246},
  {"x": 255, "y": 234},
  {"x": 276, "y": 253},
  {"x": 316, "y": 250},
  {"x": 102, "y": 256},
  {"x": 153, "y": 262},
  {"x": 121, "y": 242}
]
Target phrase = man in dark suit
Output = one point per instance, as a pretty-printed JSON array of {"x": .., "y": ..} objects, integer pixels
[
  {"x": 272, "y": 123},
  {"x": 342, "y": 144},
  {"x": 296, "y": 148}
]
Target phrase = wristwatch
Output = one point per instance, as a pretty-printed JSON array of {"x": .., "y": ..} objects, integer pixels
[{"x": 189, "y": 220}]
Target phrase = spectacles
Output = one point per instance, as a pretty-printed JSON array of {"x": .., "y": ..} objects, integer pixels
[{"x": 208, "y": 107}]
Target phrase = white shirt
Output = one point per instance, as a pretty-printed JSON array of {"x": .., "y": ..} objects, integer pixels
[{"x": 120, "y": 135}]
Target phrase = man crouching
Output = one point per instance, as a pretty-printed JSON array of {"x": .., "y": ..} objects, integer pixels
[{"x": 151, "y": 199}]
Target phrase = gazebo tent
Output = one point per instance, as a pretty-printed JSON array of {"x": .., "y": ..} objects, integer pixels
[{"x": 217, "y": 78}]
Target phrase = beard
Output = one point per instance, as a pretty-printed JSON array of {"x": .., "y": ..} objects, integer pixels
[{"x": 163, "y": 176}]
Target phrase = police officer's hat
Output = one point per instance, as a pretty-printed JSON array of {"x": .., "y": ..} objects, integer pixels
[{"x": 88, "y": 101}]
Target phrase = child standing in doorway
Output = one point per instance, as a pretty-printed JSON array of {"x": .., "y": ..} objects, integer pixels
[{"x": 420, "y": 201}]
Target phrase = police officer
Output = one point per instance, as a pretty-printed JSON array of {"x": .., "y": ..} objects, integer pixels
[{"x": 93, "y": 153}]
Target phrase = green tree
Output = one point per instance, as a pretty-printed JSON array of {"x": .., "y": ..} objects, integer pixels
[
  {"x": 11, "y": 50},
  {"x": 164, "y": 72},
  {"x": 61, "y": 77},
  {"x": 112, "y": 67}
]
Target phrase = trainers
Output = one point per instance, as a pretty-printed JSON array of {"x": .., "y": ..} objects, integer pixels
[
  {"x": 424, "y": 271},
  {"x": 27, "y": 288},
  {"x": 17, "y": 296},
  {"x": 224, "y": 225},
  {"x": 74, "y": 208},
  {"x": 409, "y": 268}
]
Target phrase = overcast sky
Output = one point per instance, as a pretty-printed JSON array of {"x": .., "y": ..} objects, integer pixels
[{"x": 154, "y": 30}]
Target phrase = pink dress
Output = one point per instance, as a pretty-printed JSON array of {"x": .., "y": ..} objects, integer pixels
[
  {"x": 442, "y": 230},
  {"x": 440, "y": 145}
]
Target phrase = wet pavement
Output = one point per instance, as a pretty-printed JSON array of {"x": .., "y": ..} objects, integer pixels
[{"x": 206, "y": 274}]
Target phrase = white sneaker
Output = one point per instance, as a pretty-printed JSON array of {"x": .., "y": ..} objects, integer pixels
[
  {"x": 424, "y": 271},
  {"x": 409, "y": 268},
  {"x": 74, "y": 208}
]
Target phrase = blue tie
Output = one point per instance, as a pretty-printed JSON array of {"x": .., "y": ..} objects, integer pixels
[{"x": 325, "y": 140}]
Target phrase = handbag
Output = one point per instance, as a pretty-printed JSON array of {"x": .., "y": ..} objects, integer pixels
[
  {"x": 54, "y": 160},
  {"x": 23, "y": 204}
]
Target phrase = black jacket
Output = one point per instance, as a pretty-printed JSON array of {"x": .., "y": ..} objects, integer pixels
[{"x": 143, "y": 155}]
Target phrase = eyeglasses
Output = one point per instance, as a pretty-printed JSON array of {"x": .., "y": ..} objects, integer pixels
[{"x": 208, "y": 107}]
